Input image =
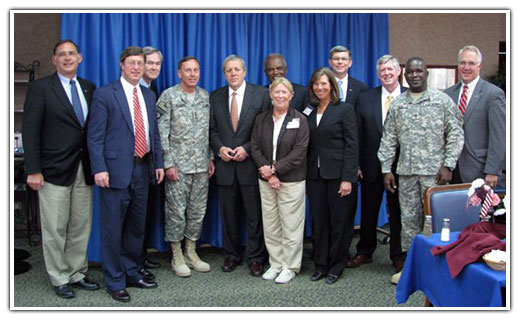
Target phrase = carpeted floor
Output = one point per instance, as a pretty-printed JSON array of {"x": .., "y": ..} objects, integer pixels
[{"x": 365, "y": 287}]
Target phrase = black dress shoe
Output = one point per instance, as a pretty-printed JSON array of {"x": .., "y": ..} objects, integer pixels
[
  {"x": 229, "y": 265},
  {"x": 257, "y": 269},
  {"x": 150, "y": 264},
  {"x": 64, "y": 291},
  {"x": 20, "y": 254},
  {"x": 143, "y": 284},
  {"x": 86, "y": 284},
  {"x": 120, "y": 295},
  {"x": 331, "y": 278},
  {"x": 147, "y": 275},
  {"x": 317, "y": 275}
]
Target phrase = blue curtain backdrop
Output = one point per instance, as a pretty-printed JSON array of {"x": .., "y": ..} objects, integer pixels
[{"x": 304, "y": 39}]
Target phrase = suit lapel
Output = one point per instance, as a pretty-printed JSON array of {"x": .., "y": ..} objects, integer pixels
[
  {"x": 473, "y": 101},
  {"x": 57, "y": 87},
  {"x": 327, "y": 113},
  {"x": 246, "y": 102},
  {"x": 378, "y": 114},
  {"x": 120, "y": 96},
  {"x": 224, "y": 98}
]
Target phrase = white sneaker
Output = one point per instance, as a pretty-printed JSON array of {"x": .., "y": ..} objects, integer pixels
[
  {"x": 270, "y": 274},
  {"x": 285, "y": 276},
  {"x": 396, "y": 277}
]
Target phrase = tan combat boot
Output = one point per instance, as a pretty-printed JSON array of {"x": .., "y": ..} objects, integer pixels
[
  {"x": 179, "y": 267},
  {"x": 192, "y": 259}
]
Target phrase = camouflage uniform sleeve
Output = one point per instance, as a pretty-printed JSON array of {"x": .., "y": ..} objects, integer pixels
[
  {"x": 163, "y": 109},
  {"x": 454, "y": 135},
  {"x": 388, "y": 146}
]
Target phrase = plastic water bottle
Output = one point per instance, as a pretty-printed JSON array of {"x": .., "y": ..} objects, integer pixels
[
  {"x": 427, "y": 229},
  {"x": 445, "y": 232}
]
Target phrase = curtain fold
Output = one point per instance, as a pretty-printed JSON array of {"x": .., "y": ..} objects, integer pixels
[{"x": 304, "y": 39}]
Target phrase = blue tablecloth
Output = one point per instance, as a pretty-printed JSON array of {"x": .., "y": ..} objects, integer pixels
[
  {"x": 211, "y": 228},
  {"x": 476, "y": 286}
]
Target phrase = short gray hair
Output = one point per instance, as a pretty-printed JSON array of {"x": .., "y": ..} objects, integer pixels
[
  {"x": 233, "y": 57},
  {"x": 149, "y": 50},
  {"x": 471, "y": 48},
  {"x": 340, "y": 49},
  {"x": 384, "y": 59}
]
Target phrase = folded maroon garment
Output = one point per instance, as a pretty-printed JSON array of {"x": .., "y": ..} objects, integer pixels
[{"x": 472, "y": 243}]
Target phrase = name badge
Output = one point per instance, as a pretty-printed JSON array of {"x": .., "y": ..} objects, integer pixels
[
  {"x": 294, "y": 124},
  {"x": 308, "y": 110}
]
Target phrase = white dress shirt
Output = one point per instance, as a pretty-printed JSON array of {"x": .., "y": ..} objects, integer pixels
[
  {"x": 240, "y": 97},
  {"x": 65, "y": 82},
  {"x": 471, "y": 89},
  {"x": 129, "y": 93},
  {"x": 276, "y": 133},
  {"x": 384, "y": 96}
]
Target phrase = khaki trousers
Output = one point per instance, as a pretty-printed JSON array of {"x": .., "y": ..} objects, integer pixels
[
  {"x": 66, "y": 215},
  {"x": 283, "y": 217}
]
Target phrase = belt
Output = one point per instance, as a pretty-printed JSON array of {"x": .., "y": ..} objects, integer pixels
[{"x": 144, "y": 159}]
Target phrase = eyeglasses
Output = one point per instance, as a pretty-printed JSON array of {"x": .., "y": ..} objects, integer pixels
[
  {"x": 340, "y": 59},
  {"x": 469, "y": 64},
  {"x": 134, "y": 63}
]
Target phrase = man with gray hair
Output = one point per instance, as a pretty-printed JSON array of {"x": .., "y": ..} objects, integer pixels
[
  {"x": 275, "y": 66},
  {"x": 483, "y": 108},
  {"x": 233, "y": 111},
  {"x": 152, "y": 68},
  {"x": 340, "y": 61},
  {"x": 373, "y": 106}
]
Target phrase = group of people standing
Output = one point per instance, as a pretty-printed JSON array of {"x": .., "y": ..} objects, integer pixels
[{"x": 270, "y": 148}]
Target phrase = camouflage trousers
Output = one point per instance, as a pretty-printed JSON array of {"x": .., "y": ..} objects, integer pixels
[
  {"x": 185, "y": 206},
  {"x": 411, "y": 189}
]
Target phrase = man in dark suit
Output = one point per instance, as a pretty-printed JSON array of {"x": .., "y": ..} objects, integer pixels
[
  {"x": 126, "y": 154},
  {"x": 372, "y": 110},
  {"x": 275, "y": 66},
  {"x": 340, "y": 61},
  {"x": 56, "y": 111},
  {"x": 233, "y": 112},
  {"x": 483, "y": 108},
  {"x": 152, "y": 70}
]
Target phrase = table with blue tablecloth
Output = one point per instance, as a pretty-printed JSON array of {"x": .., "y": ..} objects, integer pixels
[
  {"x": 211, "y": 228},
  {"x": 476, "y": 286}
]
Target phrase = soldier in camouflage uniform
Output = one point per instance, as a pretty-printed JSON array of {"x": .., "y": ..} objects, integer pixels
[
  {"x": 183, "y": 120},
  {"x": 424, "y": 123}
]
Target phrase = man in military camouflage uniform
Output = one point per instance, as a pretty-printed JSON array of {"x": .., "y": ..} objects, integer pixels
[
  {"x": 424, "y": 123},
  {"x": 183, "y": 119}
]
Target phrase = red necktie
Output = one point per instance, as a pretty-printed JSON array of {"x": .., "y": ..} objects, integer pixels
[
  {"x": 140, "y": 136},
  {"x": 463, "y": 99}
]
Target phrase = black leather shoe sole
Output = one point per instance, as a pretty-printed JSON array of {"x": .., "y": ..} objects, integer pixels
[
  {"x": 151, "y": 265},
  {"x": 64, "y": 291},
  {"x": 331, "y": 278},
  {"x": 86, "y": 285},
  {"x": 141, "y": 284},
  {"x": 120, "y": 295},
  {"x": 317, "y": 276}
]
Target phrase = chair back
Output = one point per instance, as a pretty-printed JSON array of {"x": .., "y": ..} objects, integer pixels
[{"x": 449, "y": 201}]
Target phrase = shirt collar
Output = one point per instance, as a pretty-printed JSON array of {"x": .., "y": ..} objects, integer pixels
[
  {"x": 143, "y": 83},
  {"x": 240, "y": 91},
  {"x": 65, "y": 79},
  {"x": 127, "y": 85},
  {"x": 394, "y": 93},
  {"x": 472, "y": 84}
]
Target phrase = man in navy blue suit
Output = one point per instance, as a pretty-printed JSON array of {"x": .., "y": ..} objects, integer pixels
[{"x": 126, "y": 155}]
